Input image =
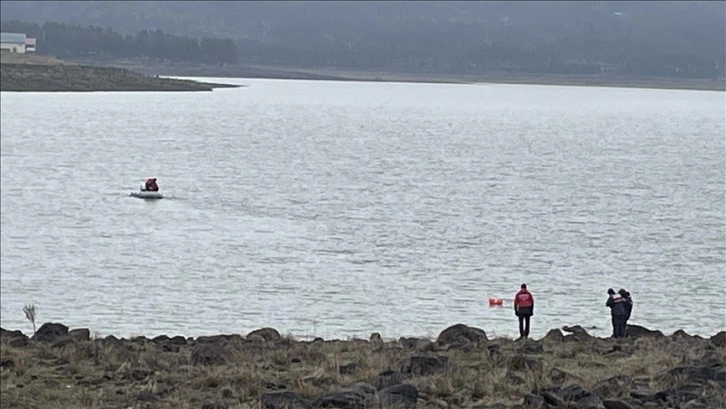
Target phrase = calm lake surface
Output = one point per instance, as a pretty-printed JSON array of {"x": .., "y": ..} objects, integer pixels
[{"x": 339, "y": 209}]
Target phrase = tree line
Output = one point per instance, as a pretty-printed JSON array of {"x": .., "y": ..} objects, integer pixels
[{"x": 72, "y": 41}]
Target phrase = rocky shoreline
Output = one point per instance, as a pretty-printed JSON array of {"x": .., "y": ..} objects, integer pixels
[
  {"x": 463, "y": 368},
  {"x": 27, "y": 72}
]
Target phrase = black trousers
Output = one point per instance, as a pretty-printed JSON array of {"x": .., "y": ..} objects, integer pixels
[
  {"x": 523, "y": 325},
  {"x": 618, "y": 326}
]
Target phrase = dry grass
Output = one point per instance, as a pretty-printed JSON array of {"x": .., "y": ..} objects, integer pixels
[{"x": 98, "y": 374}]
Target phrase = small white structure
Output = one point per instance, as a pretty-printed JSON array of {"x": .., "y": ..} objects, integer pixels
[
  {"x": 13, "y": 42},
  {"x": 30, "y": 45}
]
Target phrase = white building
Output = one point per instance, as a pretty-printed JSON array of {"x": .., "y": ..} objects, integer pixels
[{"x": 12, "y": 42}]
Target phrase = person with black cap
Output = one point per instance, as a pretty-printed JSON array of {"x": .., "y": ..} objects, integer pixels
[
  {"x": 523, "y": 309},
  {"x": 628, "y": 300},
  {"x": 618, "y": 313}
]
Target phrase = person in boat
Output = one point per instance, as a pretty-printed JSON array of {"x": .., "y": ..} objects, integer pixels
[
  {"x": 151, "y": 185},
  {"x": 523, "y": 309},
  {"x": 616, "y": 303}
]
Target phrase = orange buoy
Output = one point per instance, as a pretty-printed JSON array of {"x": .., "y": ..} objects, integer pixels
[{"x": 495, "y": 301}]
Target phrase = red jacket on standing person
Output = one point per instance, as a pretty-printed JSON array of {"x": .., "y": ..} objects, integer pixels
[{"x": 524, "y": 302}]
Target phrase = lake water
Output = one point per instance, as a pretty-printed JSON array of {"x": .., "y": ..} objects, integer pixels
[{"x": 339, "y": 209}]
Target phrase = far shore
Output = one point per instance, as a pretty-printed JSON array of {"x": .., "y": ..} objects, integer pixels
[
  {"x": 331, "y": 74},
  {"x": 462, "y": 368},
  {"x": 38, "y": 73}
]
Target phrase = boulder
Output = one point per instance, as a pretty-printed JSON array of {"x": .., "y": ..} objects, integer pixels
[
  {"x": 219, "y": 339},
  {"x": 387, "y": 379},
  {"x": 589, "y": 402},
  {"x": 418, "y": 344},
  {"x": 615, "y": 386},
  {"x": 552, "y": 399},
  {"x": 15, "y": 339},
  {"x": 461, "y": 334},
  {"x": 50, "y": 332},
  {"x": 424, "y": 365},
  {"x": 532, "y": 400},
  {"x": 209, "y": 353},
  {"x": 283, "y": 400},
  {"x": 402, "y": 396},
  {"x": 637, "y": 331},
  {"x": 554, "y": 335},
  {"x": 358, "y": 396},
  {"x": 719, "y": 340},
  {"x": 576, "y": 330},
  {"x": 267, "y": 334},
  {"x": 80, "y": 334},
  {"x": 574, "y": 393},
  {"x": 615, "y": 404}
]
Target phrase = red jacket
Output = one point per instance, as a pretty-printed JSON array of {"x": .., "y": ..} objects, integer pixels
[
  {"x": 523, "y": 299},
  {"x": 151, "y": 185}
]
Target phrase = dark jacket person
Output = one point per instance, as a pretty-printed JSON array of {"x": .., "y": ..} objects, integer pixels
[{"x": 617, "y": 311}]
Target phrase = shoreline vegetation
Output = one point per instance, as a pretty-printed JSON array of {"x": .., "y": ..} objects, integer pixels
[
  {"x": 66, "y": 368},
  {"x": 182, "y": 69},
  {"x": 39, "y": 73}
]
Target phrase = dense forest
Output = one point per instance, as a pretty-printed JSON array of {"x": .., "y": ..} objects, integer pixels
[
  {"x": 684, "y": 39},
  {"x": 71, "y": 41}
]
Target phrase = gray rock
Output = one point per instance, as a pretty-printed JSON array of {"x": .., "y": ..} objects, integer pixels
[
  {"x": 554, "y": 335},
  {"x": 387, "y": 378},
  {"x": 589, "y": 402},
  {"x": 268, "y": 334},
  {"x": 574, "y": 393},
  {"x": 719, "y": 340},
  {"x": 576, "y": 330},
  {"x": 283, "y": 400},
  {"x": 614, "y": 386},
  {"x": 424, "y": 365},
  {"x": 62, "y": 341},
  {"x": 418, "y": 344},
  {"x": 615, "y": 404},
  {"x": 209, "y": 353},
  {"x": 19, "y": 342},
  {"x": 402, "y": 396},
  {"x": 637, "y": 331},
  {"x": 534, "y": 401},
  {"x": 460, "y": 334},
  {"x": 80, "y": 334},
  {"x": 50, "y": 331},
  {"x": 358, "y": 396},
  {"x": 552, "y": 399},
  {"x": 642, "y": 394}
]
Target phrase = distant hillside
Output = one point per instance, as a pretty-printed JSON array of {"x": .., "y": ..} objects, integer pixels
[{"x": 680, "y": 39}]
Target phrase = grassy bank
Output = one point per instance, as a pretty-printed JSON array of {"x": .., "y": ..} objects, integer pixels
[
  {"x": 461, "y": 369},
  {"x": 260, "y": 71},
  {"x": 28, "y": 72}
]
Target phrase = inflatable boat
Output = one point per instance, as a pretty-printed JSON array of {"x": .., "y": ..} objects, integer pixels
[{"x": 147, "y": 194}]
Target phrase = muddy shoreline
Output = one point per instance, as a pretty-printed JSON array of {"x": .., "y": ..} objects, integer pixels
[{"x": 60, "y": 367}]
